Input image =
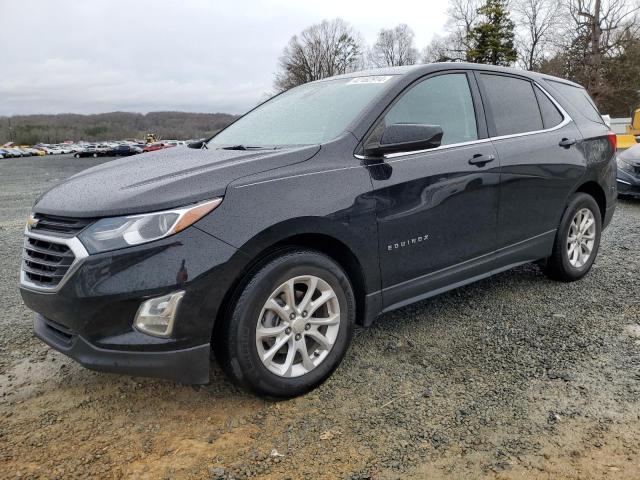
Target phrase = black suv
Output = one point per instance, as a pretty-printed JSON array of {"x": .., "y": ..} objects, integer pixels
[{"x": 324, "y": 207}]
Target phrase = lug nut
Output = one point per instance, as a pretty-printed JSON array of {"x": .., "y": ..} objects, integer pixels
[
  {"x": 307, "y": 326},
  {"x": 304, "y": 314},
  {"x": 292, "y": 316},
  {"x": 287, "y": 330},
  {"x": 298, "y": 336}
]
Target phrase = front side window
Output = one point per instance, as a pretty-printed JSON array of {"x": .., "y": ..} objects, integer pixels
[
  {"x": 513, "y": 104},
  {"x": 310, "y": 114},
  {"x": 444, "y": 100}
]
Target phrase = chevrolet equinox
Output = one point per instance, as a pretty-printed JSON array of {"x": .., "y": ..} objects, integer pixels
[{"x": 323, "y": 207}]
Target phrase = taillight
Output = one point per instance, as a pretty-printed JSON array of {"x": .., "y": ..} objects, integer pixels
[{"x": 613, "y": 140}]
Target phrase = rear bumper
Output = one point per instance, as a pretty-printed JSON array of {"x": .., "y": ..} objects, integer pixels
[{"x": 189, "y": 365}]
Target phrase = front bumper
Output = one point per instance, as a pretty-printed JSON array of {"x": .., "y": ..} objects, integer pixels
[
  {"x": 90, "y": 317},
  {"x": 188, "y": 365},
  {"x": 628, "y": 184}
]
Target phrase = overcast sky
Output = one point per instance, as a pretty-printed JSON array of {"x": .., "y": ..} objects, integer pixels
[{"x": 89, "y": 56}]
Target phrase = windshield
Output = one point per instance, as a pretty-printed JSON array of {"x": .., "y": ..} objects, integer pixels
[{"x": 310, "y": 114}]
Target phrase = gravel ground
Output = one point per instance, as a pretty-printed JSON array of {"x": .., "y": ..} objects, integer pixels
[{"x": 513, "y": 377}]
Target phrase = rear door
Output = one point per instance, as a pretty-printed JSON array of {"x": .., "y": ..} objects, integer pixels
[
  {"x": 537, "y": 143},
  {"x": 436, "y": 209}
]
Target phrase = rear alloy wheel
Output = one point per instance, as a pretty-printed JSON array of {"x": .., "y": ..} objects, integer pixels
[
  {"x": 577, "y": 240},
  {"x": 289, "y": 326},
  {"x": 581, "y": 238}
]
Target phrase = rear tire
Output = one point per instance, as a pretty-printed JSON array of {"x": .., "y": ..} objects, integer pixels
[
  {"x": 299, "y": 299},
  {"x": 577, "y": 240}
]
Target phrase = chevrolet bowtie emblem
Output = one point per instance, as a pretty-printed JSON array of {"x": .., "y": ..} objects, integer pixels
[{"x": 32, "y": 222}]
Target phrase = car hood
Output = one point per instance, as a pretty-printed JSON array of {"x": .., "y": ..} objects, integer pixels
[
  {"x": 631, "y": 155},
  {"x": 164, "y": 179}
]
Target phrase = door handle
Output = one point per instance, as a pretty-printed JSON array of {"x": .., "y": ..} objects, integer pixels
[
  {"x": 481, "y": 160},
  {"x": 567, "y": 142}
]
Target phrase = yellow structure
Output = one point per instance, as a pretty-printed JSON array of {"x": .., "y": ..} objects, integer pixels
[
  {"x": 626, "y": 141},
  {"x": 634, "y": 128}
]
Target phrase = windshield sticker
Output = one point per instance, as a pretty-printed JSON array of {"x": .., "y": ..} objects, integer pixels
[{"x": 371, "y": 79}]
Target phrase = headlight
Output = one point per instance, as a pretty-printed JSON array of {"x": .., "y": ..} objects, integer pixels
[
  {"x": 119, "y": 232},
  {"x": 622, "y": 165}
]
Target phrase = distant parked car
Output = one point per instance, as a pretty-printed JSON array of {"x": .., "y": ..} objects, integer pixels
[
  {"x": 94, "y": 151},
  {"x": 125, "y": 150},
  {"x": 45, "y": 149},
  {"x": 629, "y": 172},
  {"x": 26, "y": 152},
  {"x": 17, "y": 152},
  {"x": 36, "y": 151},
  {"x": 156, "y": 146},
  {"x": 10, "y": 152}
]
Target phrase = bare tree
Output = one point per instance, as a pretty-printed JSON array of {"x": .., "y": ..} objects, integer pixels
[
  {"x": 602, "y": 28},
  {"x": 455, "y": 44},
  {"x": 463, "y": 16},
  {"x": 538, "y": 22},
  {"x": 438, "y": 50},
  {"x": 329, "y": 48},
  {"x": 394, "y": 47}
]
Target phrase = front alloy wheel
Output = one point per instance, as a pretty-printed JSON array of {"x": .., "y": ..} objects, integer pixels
[
  {"x": 298, "y": 326},
  {"x": 289, "y": 325}
]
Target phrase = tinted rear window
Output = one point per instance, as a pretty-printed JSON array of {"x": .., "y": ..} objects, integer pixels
[
  {"x": 513, "y": 104},
  {"x": 579, "y": 98},
  {"x": 551, "y": 116}
]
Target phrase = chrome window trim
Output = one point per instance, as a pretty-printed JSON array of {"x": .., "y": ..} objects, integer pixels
[
  {"x": 565, "y": 121},
  {"x": 74, "y": 244}
]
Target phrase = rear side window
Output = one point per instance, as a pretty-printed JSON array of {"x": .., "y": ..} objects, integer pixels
[
  {"x": 513, "y": 104},
  {"x": 579, "y": 98},
  {"x": 443, "y": 100},
  {"x": 551, "y": 116}
]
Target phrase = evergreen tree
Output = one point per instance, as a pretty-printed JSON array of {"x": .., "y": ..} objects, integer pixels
[{"x": 491, "y": 40}]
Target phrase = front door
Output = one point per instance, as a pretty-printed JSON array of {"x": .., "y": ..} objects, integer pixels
[{"x": 436, "y": 209}]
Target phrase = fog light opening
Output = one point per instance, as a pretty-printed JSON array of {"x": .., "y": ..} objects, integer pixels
[{"x": 156, "y": 316}]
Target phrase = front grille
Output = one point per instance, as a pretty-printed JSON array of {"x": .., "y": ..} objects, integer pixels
[
  {"x": 44, "y": 262},
  {"x": 60, "y": 226}
]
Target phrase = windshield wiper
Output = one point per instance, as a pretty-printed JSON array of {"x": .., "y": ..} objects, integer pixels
[{"x": 243, "y": 147}]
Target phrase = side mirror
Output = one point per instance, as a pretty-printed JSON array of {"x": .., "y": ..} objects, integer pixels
[
  {"x": 405, "y": 137},
  {"x": 200, "y": 144}
]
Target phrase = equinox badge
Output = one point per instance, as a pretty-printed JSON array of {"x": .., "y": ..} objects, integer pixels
[{"x": 407, "y": 243}]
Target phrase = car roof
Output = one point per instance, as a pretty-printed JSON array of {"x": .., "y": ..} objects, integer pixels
[{"x": 424, "y": 69}]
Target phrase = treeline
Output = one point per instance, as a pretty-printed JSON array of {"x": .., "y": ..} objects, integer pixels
[
  {"x": 32, "y": 129},
  {"x": 593, "y": 42}
]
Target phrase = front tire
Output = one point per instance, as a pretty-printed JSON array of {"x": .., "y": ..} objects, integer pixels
[
  {"x": 577, "y": 240},
  {"x": 289, "y": 326}
]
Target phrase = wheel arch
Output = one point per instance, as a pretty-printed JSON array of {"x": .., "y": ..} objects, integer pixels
[
  {"x": 597, "y": 192},
  {"x": 324, "y": 240}
]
